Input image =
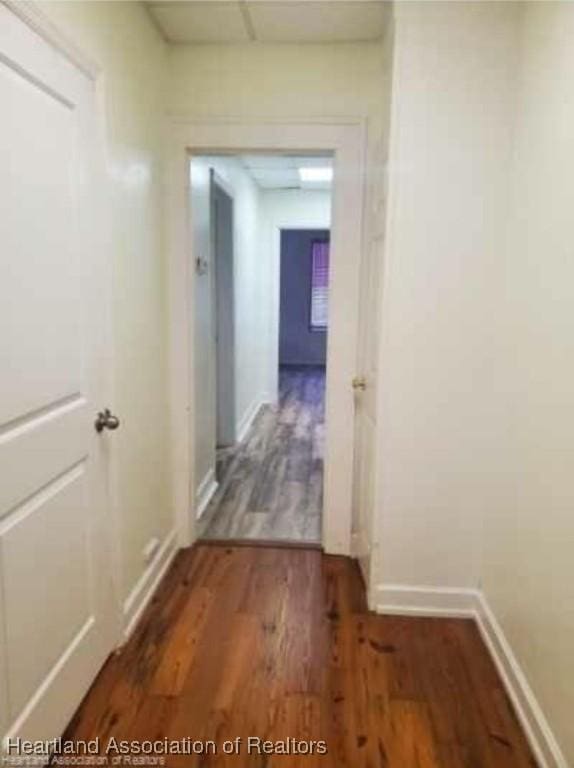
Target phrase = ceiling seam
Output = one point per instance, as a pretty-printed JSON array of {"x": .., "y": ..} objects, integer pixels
[
  {"x": 158, "y": 27},
  {"x": 247, "y": 20}
]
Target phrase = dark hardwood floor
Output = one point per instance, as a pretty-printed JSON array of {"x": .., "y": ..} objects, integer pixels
[
  {"x": 271, "y": 484},
  {"x": 278, "y": 644}
]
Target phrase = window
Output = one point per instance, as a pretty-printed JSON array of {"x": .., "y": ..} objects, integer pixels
[{"x": 319, "y": 285}]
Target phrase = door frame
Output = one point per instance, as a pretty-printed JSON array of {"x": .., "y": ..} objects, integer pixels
[
  {"x": 33, "y": 15},
  {"x": 346, "y": 138}
]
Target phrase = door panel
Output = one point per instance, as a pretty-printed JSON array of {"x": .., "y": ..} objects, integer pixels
[
  {"x": 39, "y": 219},
  {"x": 43, "y": 615},
  {"x": 46, "y": 446},
  {"x": 56, "y": 614},
  {"x": 222, "y": 209}
]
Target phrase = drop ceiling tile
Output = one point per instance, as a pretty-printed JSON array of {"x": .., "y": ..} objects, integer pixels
[
  {"x": 200, "y": 21},
  {"x": 268, "y": 161},
  {"x": 276, "y": 178},
  {"x": 282, "y": 171},
  {"x": 322, "y": 21}
]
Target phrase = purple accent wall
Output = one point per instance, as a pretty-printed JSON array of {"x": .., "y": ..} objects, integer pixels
[{"x": 298, "y": 345}]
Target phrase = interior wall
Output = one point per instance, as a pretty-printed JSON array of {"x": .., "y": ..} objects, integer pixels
[
  {"x": 527, "y": 566},
  {"x": 124, "y": 42},
  {"x": 286, "y": 80},
  {"x": 451, "y": 131},
  {"x": 299, "y": 344},
  {"x": 475, "y": 451},
  {"x": 283, "y": 209},
  {"x": 250, "y": 295}
]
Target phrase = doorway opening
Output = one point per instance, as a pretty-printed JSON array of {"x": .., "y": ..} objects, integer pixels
[
  {"x": 261, "y": 239},
  {"x": 190, "y": 141}
]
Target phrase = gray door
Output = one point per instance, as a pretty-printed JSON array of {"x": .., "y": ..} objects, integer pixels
[{"x": 222, "y": 212}]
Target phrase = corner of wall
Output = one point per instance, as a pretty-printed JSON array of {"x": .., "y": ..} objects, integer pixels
[{"x": 406, "y": 600}]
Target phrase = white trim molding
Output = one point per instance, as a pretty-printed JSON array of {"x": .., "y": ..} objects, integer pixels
[
  {"x": 528, "y": 710},
  {"x": 32, "y": 14},
  {"x": 205, "y": 492},
  {"x": 245, "y": 423},
  {"x": 346, "y": 139},
  {"x": 147, "y": 584},
  {"x": 406, "y": 600}
]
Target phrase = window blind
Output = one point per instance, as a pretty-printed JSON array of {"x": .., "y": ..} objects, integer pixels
[{"x": 319, "y": 285}]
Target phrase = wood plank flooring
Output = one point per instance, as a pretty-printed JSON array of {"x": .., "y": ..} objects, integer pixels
[
  {"x": 271, "y": 484},
  {"x": 277, "y": 643}
]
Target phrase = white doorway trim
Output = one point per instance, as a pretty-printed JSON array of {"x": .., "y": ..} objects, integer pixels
[{"x": 346, "y": 139}]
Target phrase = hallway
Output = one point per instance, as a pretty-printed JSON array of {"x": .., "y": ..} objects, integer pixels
[
  {"x": 278, "y": 644},
  {"x": 270, "y": 485},
  {"x": 205, "y": 206}
]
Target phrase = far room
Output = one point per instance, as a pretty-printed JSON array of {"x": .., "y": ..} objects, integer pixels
[{"x": 261, "y": 237}]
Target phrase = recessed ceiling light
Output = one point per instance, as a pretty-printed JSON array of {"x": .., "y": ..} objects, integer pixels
[{"x": 319, "y": 173}]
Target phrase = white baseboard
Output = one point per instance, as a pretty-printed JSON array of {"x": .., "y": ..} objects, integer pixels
[
  {"x": 147, "y": 584},
  {"x": 404, "y": 600},
  {"x": 244, "y": 424},
  {"x": 268, "y": 398},
  {"x": 205, "y": 492},
  {"x": 425, "y": 601},
  {"x": 534, "y": 723}
]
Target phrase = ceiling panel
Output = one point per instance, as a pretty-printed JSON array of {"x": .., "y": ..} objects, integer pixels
[
  {"x": 280, "y": 21},
  {"x": 276, "y": 179},
  {"x": 282, "y": 171},
  {"x": 323, "y": 21},
  {"x": 200, "y": 21},
  {"x": 268, "y": 161}
]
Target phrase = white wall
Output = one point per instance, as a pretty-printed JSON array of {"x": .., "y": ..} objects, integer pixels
[
  {"x": 250, "y": 297},
  {"x": 475, "y": 463},
  {"x": 275, "y": 81},
  {"x": 121, "y": 38},
  {"x": 450, "y": 142},
  {"x": 283, "y": 209},
  {"x": 528, "y": 550}
]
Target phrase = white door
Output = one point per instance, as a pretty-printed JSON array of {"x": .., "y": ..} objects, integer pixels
[
  {"x": 367, "y": 367},
  {"x": 57, "y": 613}
]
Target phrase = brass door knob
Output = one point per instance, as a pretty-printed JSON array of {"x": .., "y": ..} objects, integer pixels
[
  {"x": 359, "y": 382},
  {"x": 106, "y": 420}
]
